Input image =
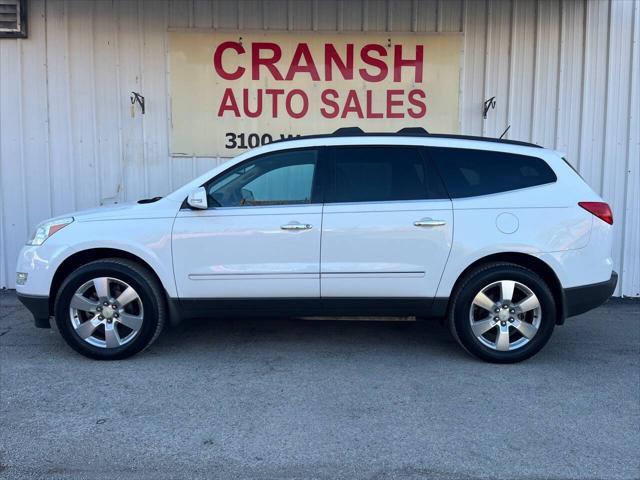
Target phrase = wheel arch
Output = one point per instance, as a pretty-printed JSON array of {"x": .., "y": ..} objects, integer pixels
[
  {"x": 531, "y": 262},
  {"x": 82, "y": 257}
]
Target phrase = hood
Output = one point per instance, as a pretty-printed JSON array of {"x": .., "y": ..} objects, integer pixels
[{"x": 162, "y": 208}]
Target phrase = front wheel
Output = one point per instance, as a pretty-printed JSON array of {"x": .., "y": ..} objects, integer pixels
[
  {"x": 110, "y": 309},
  {"x": 502, "y": 313}
]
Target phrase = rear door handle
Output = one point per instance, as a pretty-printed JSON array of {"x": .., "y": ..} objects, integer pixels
[
  {"x": 296, "y": 226},
  {"x": 429, "y": 222}
]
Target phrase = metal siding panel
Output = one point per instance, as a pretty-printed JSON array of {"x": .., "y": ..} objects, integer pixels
[
  {"x": 546, "y": 74},
  {"x": 154, "y": 88},
  {"x": 571, "y": 79},
  {"x": 276, "y": 14},
  {"x": 4, "y": 268},
  {"x": 375, "y": 16},
  {"x": 35, "y": 130},
  {"x": 107, "y": 111},
  {"x": 82, "y": 104},
  {"x": 130, "y": 80},
  {"x": 400, "y": 15},
  {"x": 14, "y": 200},
  {"x": 180, "y": 12},
  {"x": 250, "y": 14},
  {"x": 450, "y": 16},
  {"x": 327, "y": 14},
  {"x": 202, "y": 14},
  {"x": 616, "y": 134},
  {"x": 426, "y": 15},
  {"x": 226, "y": 14},
  {"x": 473, "y": 70},
  {"x": 630, "y": 279},
  {"x": 594, "y": 93},
  {"x": 497, "y": 67},
  {"x": 59, "y": 100},
  {"x": 300, "y": 15},
  {"x": 523, "y": 30},
  {"x": 352, "y": 13}
]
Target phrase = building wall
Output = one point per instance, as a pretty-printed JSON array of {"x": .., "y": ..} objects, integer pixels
[{"x": 565, "y": 75}]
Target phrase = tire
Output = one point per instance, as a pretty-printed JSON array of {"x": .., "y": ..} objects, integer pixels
[
  {"x": 470, "y": 313},
  {"x": 119, "y": 329}
]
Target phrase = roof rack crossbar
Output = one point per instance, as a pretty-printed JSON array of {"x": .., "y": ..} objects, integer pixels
[
  {"x": 413, "y": 131},
  {"x": 348, "y": 131}
]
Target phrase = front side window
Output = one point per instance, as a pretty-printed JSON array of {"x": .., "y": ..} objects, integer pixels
[
  {"x": 470, "y": 173},
  {"x": 378, "y": 174},
  {"x": 281, "y": 178}
]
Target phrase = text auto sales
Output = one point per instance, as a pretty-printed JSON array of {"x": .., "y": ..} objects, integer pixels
[{"x": 378, "y": 64}]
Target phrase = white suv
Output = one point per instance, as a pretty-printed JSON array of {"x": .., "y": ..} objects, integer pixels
[{"x": 501, "y": 238}]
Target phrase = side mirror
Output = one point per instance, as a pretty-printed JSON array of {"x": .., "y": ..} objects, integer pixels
[{"x": 198, "y": 199}]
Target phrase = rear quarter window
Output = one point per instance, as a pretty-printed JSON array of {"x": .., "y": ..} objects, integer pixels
[{"x": 470, "y": 173}]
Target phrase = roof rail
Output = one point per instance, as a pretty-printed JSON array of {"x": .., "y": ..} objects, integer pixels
[{"x": 410, "y": 132}]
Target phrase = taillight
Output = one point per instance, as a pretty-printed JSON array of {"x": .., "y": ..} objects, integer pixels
[{"x": 599, "y": 209}]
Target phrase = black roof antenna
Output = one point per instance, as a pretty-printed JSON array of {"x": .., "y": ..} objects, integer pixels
[{"x": 504, "y": 133}]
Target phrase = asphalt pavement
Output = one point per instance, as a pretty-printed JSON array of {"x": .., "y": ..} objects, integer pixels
[{"x": 302, "y": 399}]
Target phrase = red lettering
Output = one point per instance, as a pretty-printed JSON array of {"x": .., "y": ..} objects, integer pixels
[
  {"x": 352, "y": 105},
  {"x": 257, "y": 60},
  {"x": 302, "y": 51},
  {"x": 274, "y": 92},
  {"x": 370, "y": 112},
  {"x": 373, "y": 62},
  {"x": 394, "y": 103},
  {"x": 329, "y": 102},
  {"x": 289, "y": 101},
  {"x": 228, "y": 103},
  {"x": 416, "y": 98},
  {"x": 399, "y": 62},
  {"x": 245, "y": 103},
  {"x": 331, "y": 56},
  {"x": 217, "y": 60}
]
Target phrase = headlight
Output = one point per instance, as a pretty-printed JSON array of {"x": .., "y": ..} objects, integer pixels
[{"x": 46, "y": 229}]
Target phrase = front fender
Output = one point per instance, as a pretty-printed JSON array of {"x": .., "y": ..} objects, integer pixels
[{"x": 147, "y": 239}]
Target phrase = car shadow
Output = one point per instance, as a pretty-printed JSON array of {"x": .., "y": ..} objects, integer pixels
[{"x": 317, "y": 334}]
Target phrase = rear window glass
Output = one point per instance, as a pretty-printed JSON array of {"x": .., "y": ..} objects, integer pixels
[{"x": 470, "y": 173}]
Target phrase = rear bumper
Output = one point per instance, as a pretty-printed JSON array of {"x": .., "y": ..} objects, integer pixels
[
  {"x": 581, "y": 299},
  {"x": 38, "y": 306}
]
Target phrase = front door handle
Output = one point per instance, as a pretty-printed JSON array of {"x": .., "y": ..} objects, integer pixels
[
  {"x": 429, "y": 222},
  {"x": 296, "y": 226}
]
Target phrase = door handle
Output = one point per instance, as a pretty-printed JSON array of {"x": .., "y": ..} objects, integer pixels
[
  {"x": 429, "y": 222},
  {"x": 296, "y": 226}
]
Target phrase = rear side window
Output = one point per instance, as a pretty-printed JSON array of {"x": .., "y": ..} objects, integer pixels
[
  {"x": 469, "y": 173},
  {"x": 380, "y": 173}
]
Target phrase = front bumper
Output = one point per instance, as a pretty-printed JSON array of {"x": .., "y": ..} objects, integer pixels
[
  {"x": 38, "y": 306},
  {"x": 581, "y": 299}
]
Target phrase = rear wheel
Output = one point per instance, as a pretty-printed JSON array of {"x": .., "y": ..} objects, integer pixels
[
  {"x": 110, "y": 309},
  {"x": 502, "y": 313}
]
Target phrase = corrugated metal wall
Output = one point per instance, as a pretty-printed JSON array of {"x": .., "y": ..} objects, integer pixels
[{"x": 565, "y": 75}]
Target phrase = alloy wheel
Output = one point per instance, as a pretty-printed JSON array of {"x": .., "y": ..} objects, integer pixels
[
  {"x": 106, "y": 312},
  {"x": 505, "y": 315}
]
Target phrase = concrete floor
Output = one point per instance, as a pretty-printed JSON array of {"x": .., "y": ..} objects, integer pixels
[{"x": 322, "y": 399}]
